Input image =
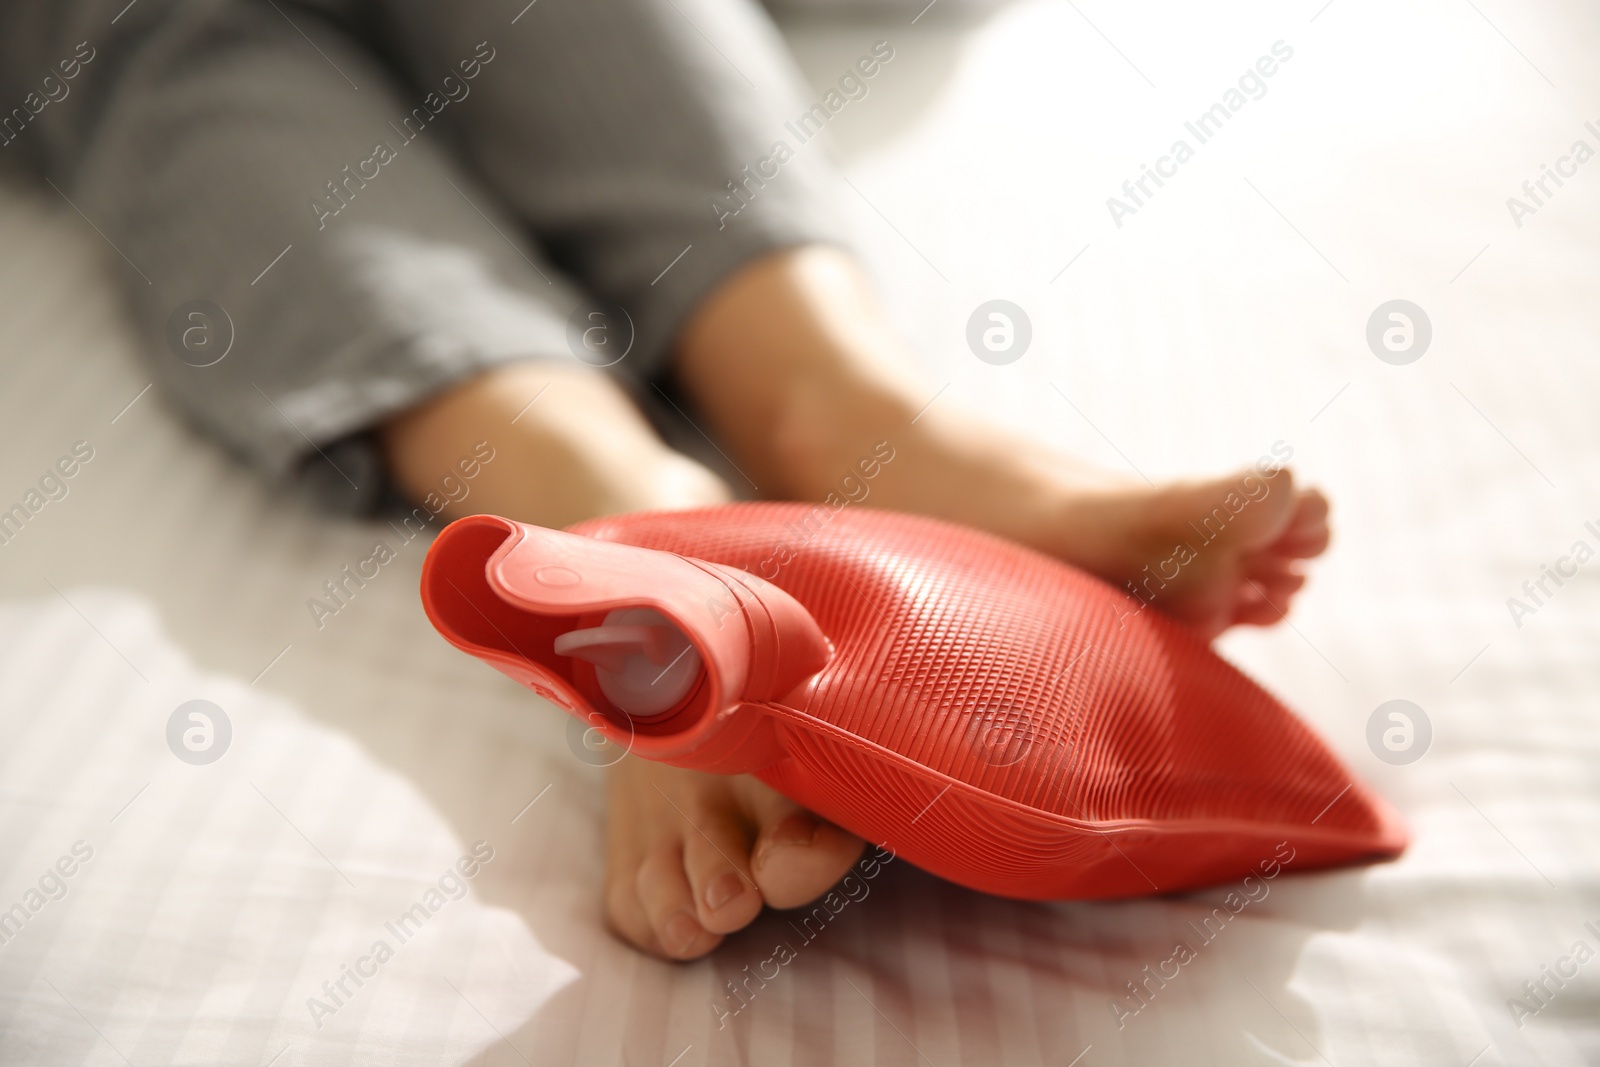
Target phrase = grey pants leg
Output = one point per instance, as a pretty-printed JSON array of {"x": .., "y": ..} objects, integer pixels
[
  {"x": 372, "y": 232},
  {"x": 629, "y": 133}
]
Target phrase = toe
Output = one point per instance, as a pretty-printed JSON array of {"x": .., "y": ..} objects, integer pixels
[
  {"x": 1264, "y": 600},
  {"x": 1273, "y": 575},
  {"x": 1259, "y": 613},
  {"x": 667, "y": 900},
  {"x": 1268, "y": 568},
  {"x": 625, "y": 913},
  {"x": 1308, "y": 533},
  {"x": 671, "y": 835},
  {"x": 716, "y": 857},
  {"x": 798, "y": 856}
]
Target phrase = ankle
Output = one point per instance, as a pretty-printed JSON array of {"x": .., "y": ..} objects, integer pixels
[{"x": 578, "y": 453}]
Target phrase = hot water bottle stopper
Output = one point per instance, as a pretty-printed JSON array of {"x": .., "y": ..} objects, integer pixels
[{"x": 993, "y": 715}]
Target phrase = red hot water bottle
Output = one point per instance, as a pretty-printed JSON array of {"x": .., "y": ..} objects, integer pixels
[{"x": 995, "y": 716}]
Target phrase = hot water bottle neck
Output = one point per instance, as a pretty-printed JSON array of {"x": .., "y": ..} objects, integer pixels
[{"x": 995, "y": 716}]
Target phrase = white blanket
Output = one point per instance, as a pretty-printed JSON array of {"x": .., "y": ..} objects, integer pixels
[{"x": 214, "y": 912}]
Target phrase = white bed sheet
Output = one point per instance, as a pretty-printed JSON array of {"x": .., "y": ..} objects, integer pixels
[{"x": 1226, "y": 315}]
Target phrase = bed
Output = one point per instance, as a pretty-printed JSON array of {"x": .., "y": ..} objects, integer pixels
[{"x": 230, "y": 912}]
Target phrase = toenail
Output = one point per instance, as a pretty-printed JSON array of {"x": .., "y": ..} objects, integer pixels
[
  {"x": 723, "y": 888},
  {"x": 798, "y": 829},
  {"x": 680, "y": 932}
]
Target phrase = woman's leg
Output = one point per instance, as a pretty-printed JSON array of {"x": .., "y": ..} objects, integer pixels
[
  {"x": 377, "y": 299},
  {"x": 649, "y": 108},
  {"x": 832, "y": 381},
  {"x": 227, "y": 158},
  {"x": 613, "y": 128}
]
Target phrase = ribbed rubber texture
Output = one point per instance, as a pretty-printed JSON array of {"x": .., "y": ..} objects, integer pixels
[{"x": 1007, "y": 722}]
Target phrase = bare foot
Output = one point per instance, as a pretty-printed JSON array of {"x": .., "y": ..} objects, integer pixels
[
  {"x": 692, "y": 857},
  {"x": 830, "y": 386},
  {"x": 1212, "y": 553}
]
